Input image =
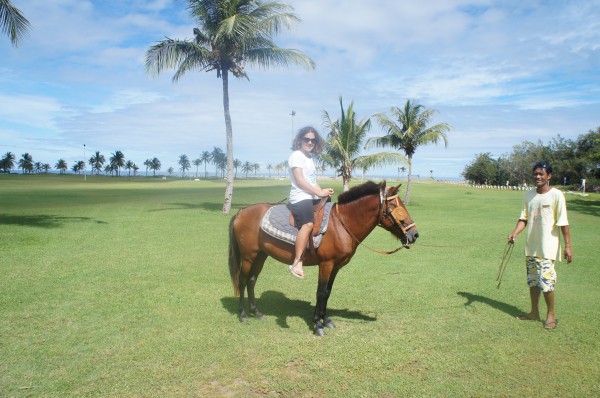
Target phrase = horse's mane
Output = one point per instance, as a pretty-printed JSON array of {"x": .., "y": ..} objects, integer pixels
[{"x": 368, "y": 188}]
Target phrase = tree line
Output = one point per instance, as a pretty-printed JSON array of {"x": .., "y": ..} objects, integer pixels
[
  {"x": 572, "y": 160},
  {"x": 117, "y": 163}
]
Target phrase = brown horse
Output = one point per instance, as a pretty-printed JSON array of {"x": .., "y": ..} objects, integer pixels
[{"x": 357, "y": 212}]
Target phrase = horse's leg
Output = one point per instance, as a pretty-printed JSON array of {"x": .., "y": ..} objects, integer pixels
[
  {"x": 242, "y": 287},
  {"x": 326, "y": 320},
  {"x": 257, "y": 266},
  {"x": 325, "y": 273}
]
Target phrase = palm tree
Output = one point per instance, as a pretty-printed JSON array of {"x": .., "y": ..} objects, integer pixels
[
  {"x": 197, "y": 162},
  {"x": 217, "y": 157},
  {"x": 96, "y": 161},
  {"x": 205, "y": 157},
  {"x": 408, "y": 129},
  {"x": 61, "y": 165},
  {"x": 7, "y": 162},
  {"x": 170, "y": 170},
  {"x": 184, "y": 162},
  {"x": 26, "y": 163},
  {"x": 12, "y": 22},
  {"x": 148, "y": 164},
  {"x": 155, "y": 166},
  {"x": 269, "y": 168},
  {"x": 255, "y": 168},
  {"x": 246, "y": 168},
  {"x": 117, "y": 160},
  {"x": 344, "y": 142},
  {"x": 46, "y": 167},
  {"x": 135, "y": 169},
  {"x": 236, "y": 164},
  {"x": 231, "y": 33},
  {"x": 129, "y": 165}
]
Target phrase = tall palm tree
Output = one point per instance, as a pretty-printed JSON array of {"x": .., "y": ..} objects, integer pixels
[
  {"x": 155, "y": 166},
  {"x": 117, "y": 160},
  {"x": 13, "y": 22},
  {"x": 205, "y": 157},
  {"x": 96, "y": 162},
  {"x": 406, "y": 130},
  {"x": 197, "y": 162},
  {"x": 217, "y": 157},
  {"x": 7, "y": 162},
  {"x": 26, "y": 163},
  {"x": 61, "y": 166},
  {"x": 148, "y": 164},
  {"x": 231, "y": 33},
  {"x": 129, "y": 165},
  {"x": 184, "y": 162},
  {"x": 236, "y": 165},
  {"x": 345, "y": 141},
  {"x": 247, "y": 167}
]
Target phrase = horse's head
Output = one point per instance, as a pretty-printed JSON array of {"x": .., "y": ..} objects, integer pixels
[{"x": 394, "y": 217}]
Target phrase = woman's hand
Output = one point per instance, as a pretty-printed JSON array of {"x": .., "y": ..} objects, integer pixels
[{"x": 326, "y": 192}]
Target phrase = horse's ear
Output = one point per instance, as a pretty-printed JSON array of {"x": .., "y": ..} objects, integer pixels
[
  {"x": 399, "y": 185},
  {"x": 382, "y": 185}
]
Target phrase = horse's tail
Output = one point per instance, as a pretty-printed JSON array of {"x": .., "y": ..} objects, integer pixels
[{"x": 234, "y": 259}]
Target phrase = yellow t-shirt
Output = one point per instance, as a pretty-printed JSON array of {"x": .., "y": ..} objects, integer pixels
[{"x": 545, "y": 214}]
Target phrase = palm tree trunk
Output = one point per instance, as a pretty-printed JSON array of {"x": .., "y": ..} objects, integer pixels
[
  {"x": 229, "y": 137},
  {"x": 407, "y": 197}
]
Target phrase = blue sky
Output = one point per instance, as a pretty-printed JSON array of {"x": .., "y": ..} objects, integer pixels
[{"x": 499, "y": 72}]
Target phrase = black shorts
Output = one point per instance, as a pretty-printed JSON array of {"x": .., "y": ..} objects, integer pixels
[{"x": 303, "y": 211}]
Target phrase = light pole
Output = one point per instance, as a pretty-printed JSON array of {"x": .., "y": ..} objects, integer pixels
[
  {"x": 292, "y": 115},
  {"x": 84, "y": 167}
]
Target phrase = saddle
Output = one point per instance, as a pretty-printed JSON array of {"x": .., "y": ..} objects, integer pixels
[
  {"x": 278, "y": 223},
  {"x": 319, "y": 212}
]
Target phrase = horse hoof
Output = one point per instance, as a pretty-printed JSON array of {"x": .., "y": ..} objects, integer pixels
[
  {"x": 243, "y": 320},
  {"x": 259, "y": 316},
  {"x": 319, "y": 332},
  {"x": 329, "y": 323}
]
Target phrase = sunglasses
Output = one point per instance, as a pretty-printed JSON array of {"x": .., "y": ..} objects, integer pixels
[{"x": 309, "y": 140}]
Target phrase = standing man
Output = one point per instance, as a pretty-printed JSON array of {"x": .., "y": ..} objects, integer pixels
[{"x": 544, "y": 214}]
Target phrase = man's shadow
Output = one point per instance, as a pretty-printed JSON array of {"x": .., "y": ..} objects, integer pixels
[
  {"x": 276, "y": 304},
  {"x": 506, "y": 308}
]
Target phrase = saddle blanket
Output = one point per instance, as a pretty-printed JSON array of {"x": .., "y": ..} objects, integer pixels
[{"x": 276, "y": 223}]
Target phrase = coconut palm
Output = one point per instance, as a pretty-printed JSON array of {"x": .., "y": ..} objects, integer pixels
[
  {"x": 255, "y": 168},
  {"x": 269, "y": 168},
  {"x": 236, "y": 165},
  {"x": 217, "y": 157},
  {"x": 7, "y": 162},
  {"x": 117, "y": 160},
  {"x": 205, "y": 157},
  {"x": 61, "y": 166},
  {"x": 155, "y": 166},
  {"x": 345, "y": 140},
  {"x": 26, "y": 163},
  {"x": 247, "y": 167},
  {"x": 184, "y": 162},
  {"x": 231, "y": 33},
  {"x": 12, "y": 22},
  {"x": 197, "y": 162},
  {"x": 96, "y": 162},
  {"x": 46, "y": 167},
  {"x": 148, "y": 164},
  {"x": 406, "y": 130},
  {"x": 129, "y": 165}
]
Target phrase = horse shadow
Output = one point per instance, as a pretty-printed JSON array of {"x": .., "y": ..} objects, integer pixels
[
  {"x": 275, "y": 304},
  {"x": 499, "y": 305}
]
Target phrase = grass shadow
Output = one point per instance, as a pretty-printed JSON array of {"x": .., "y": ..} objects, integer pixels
[
  {"x": 589, "y": 207},
  {"x": 504, "y": 307},
  {"x": 209, "y": 206},
  {"x": 43, "y": 220},
  {"x": 276, "y": 304}
]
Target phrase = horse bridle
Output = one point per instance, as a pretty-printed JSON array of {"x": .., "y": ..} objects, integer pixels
[{"x": 396, "y": 216}]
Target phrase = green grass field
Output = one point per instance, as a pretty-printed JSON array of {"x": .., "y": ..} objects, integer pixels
[{"x": 116, "y": 287}]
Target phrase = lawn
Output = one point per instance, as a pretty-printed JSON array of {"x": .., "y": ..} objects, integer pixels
[{"x": 119, "y": 287}]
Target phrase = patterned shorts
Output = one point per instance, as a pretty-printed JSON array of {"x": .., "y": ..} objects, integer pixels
[{"x": 541, "y": 273}]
